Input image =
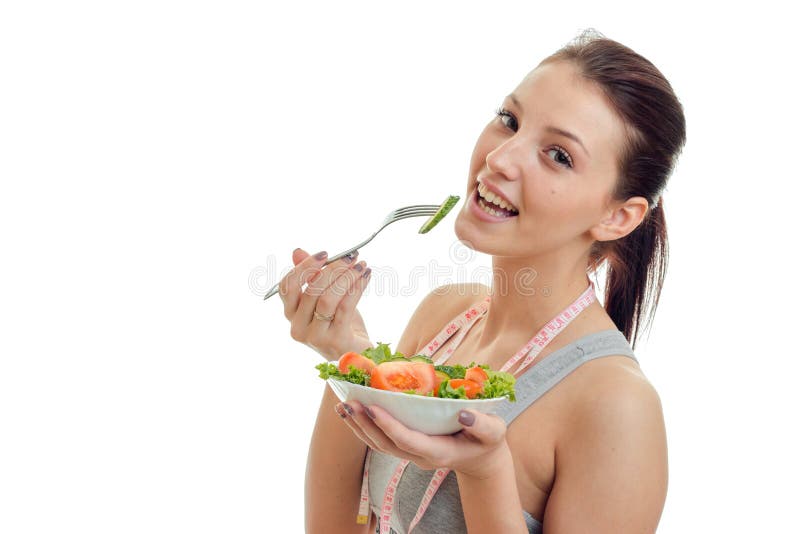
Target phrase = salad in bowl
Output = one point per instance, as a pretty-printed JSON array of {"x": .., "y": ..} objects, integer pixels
[{"x": 419, "y": 394}]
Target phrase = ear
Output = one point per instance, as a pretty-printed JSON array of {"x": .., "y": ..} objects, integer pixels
[{"x": 621, "y": 219}]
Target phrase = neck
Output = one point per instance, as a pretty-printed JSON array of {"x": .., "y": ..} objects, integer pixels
[{"x": 529, "y": 292}]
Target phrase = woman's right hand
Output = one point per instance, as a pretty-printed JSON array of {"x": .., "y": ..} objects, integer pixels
[{"x": 332, "y": 291}]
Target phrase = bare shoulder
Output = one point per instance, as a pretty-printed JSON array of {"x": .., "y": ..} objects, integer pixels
[
  {"x": 438, "y": 307},
  {"x": 614, "y": 392}
]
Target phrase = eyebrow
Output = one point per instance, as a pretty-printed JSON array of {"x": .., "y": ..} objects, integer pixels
[{"x": 554, "y": 129}]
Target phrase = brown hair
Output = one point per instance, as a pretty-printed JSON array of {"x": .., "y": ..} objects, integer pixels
[{"x": 656, "y": 133}]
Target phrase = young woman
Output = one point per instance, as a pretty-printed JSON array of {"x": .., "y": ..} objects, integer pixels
[{"x": 566, "y": 178}]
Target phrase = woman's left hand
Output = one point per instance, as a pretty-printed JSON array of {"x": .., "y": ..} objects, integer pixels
[{"x": 476, "y": 450}]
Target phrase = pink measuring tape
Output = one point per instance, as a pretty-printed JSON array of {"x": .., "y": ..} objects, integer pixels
[
  {"x": 529, "y": 352},
  {"x": 457, "y": 325}
]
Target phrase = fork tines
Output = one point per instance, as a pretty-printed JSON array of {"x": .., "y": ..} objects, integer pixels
[{"x": 415, "y": 210}]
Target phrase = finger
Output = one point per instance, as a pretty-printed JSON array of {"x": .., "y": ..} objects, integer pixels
[
  {"x": 330, "y": 300},
  {"x": 345, "y": 411},
  {"x": 299, "y": 255},
  {"x": 290, "y": 286},
  {"x": 404, "y": 442},
  {"x": 483, "y": 428},
  {"x": 411, "y": 442},
  {"x": 329, "y": 274},
  {"x": 315, "y": 289},
  {"x": 343, "y": 314},
  {"x": 360, "y": 424},
  {"x": 382, "y": 442},
  {"x": 357, "y": 418}
]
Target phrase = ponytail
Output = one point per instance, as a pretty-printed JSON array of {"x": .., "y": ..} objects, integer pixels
[{"x": 636, "y": 267}]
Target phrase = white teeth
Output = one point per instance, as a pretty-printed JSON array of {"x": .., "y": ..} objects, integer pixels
[
  {"x": 494, "y": 199},
  {"x": 491, "y": 211}
]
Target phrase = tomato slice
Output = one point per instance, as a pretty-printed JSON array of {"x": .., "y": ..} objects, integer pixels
[
  {"x": 478, "y": 374},
  {"x": 356, "y": 360},
  {"x": 471, "y": 388},
  {"x": 404, "y": 376}
]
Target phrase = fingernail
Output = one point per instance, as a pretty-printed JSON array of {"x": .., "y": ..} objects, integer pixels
[
  {"x": 359, "y": 267},
  {"x": 295, "y": 250},
  {"x": 349, "y": 258},
  {"x": 339, "y": 411},
  {"x": 367, "y": 272},
  {"x": 347, "y": 409},
  {"x": 320, "y": 255},
  {"x": 369, "y": 412},
  {"x": 466, "y": 418}
]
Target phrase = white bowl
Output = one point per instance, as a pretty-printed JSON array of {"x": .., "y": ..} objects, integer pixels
[{"x": 430, "y": 415}]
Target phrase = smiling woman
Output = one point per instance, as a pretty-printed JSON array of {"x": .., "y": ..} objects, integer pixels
[{"x": 566, "y": 178}]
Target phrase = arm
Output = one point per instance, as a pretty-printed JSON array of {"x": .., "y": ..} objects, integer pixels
[
  {"x": 335, "y": 458},
  {"x": 611, "y": 466},
  {"x": 491, "y": 502},
  {"x": 333, "y": 474},
  {"x": 336, "y": 455}
]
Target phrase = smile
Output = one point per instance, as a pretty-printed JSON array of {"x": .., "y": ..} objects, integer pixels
[{"x": 493, "y": 204}]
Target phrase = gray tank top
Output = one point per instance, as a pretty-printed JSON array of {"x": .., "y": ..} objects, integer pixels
[{"x": 445, "y": 508}]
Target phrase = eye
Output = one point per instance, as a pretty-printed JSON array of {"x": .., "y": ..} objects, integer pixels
[
  {"x": 562, "y": 156},
  {"x": 508, "y": 119}
]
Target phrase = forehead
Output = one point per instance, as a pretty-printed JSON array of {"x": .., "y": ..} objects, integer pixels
[{"x": 556, "y": 94}]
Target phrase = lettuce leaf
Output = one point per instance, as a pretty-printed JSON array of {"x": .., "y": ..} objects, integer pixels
[
  {"x": 379, "y": 354},
  {"x": 354, "y": 374},
  {"x": 446, "y": 391},
  {"x": 453, "y": 371},
  {"x": 499, "y": 384}
]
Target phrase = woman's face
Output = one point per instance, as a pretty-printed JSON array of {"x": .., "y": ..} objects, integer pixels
[{"x": 558, "y": 187}]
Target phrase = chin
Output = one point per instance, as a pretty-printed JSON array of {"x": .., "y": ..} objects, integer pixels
[
  {"x": 472, "y": 237},
  {"x": 464, "y": 230}
]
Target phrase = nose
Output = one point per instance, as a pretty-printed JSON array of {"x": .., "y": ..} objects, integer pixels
[{"x": 508, "y": 158}]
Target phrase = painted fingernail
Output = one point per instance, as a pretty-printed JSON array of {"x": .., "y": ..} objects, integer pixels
[
  {"x": 320, "y": 255},
  {"x": 359, "y": 267},
  {"x": 466, "y": 418},
  {"x": 349, "y": 258},
  {"x": 367, "y": 272},
  {"x": 340, "y": 411},
  {"x": 347, "y": 409},
  {"x": 369, "y": 412}
]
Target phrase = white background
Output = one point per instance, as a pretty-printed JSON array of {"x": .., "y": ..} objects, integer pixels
[{"x": 160, "y": 160}]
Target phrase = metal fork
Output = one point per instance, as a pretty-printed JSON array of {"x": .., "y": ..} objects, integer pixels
[{"x": 418, "y": 210}]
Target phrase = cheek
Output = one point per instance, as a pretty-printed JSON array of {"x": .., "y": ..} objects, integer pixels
[
  {"x": 559, "y": 208},
  {"x": 547, "y": 195}
]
